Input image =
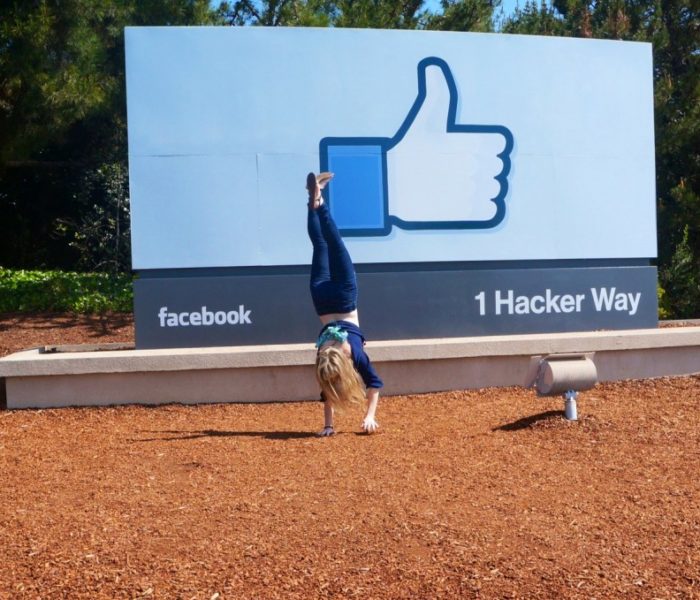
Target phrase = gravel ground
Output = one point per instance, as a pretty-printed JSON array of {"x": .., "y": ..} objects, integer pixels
[{"x": 470, "y": 494}]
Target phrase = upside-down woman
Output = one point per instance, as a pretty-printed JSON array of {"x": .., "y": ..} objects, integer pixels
[{"x": 342, "y": 366}]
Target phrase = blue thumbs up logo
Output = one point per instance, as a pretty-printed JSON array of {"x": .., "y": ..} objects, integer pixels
[{"x": 434, "y": 174}]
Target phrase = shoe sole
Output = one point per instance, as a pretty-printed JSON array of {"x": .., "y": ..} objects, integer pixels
[
  {"x": 311, "y": 184},
  {"x": 324, "y": 178}
]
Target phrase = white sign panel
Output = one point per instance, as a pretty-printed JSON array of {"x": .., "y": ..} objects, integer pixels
[{"x": 446, "y": 146}]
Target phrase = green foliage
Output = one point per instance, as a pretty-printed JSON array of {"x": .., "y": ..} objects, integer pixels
[
  {"x": 101, "y": 235},
  {"x": 464, "y": 15},
  {"x": 63, "y": 126},
  {"x": 454, "y": 15},
  {"x": 535, "y": 19},
  {"x": 26, "y": 291},
  {"x": 53, "y": 67},
  {"x": 385, "y": 14},
  {"x": 681, "y": 281},
  {"x": 665, "y": 311}
]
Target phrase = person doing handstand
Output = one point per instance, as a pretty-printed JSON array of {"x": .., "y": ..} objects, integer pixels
[{"x": 342, "y": 365}]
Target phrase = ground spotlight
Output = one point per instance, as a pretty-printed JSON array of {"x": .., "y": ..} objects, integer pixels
[{"x": 566, "y": 374}]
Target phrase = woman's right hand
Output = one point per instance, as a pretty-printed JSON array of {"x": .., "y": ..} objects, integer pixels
[{"x": 369, "y": 425}]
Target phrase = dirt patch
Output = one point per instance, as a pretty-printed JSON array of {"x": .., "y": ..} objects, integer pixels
[
  {"x": 21, "y": 331},
  {"x": 471, "y": 494}
]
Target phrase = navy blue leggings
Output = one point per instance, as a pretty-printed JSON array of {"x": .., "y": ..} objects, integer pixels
[{"x": 333, "y": 284}]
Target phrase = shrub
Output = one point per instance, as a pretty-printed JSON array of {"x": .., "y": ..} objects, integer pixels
[
  {"x": 25, "y": 291},
  {"x": 681, "y": 282}
]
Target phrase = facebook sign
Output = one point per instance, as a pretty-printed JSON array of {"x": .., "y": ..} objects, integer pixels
[{"x": 484, "y": 183}]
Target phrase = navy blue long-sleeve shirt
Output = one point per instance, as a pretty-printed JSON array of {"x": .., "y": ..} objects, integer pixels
[{"x": 360, "y": 360}]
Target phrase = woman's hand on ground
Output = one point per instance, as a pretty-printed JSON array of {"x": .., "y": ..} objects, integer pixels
[{"x": 369, "y": 425}]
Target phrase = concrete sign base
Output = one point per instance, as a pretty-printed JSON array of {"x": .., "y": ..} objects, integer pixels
[{"x": 285, "y": 372}]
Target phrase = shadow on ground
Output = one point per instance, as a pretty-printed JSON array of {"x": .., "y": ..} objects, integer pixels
[
  {"x": 173, "y": 436},
  {"x": 527, "y": 422}
]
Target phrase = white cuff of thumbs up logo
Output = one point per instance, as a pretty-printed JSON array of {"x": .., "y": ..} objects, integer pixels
[{"x": 433, "y": 174}]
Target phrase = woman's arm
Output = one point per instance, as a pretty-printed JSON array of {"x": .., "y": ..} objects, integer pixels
[
  {"x": 327, "y": 414},
  {"x": 370, "y": 425},
  {"x": 328, "y": 420}
]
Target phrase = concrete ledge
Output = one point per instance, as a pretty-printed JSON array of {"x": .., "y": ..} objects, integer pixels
[{"x": 285, "y": 372}]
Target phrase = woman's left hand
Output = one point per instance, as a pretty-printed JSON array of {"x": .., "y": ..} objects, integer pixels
[{"x": 369, "y": 425}]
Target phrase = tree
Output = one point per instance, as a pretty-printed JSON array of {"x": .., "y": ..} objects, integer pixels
[
  {"x": 673, "y": 28},
  {"x": 535, "y": 19},
  {"x": 465, "y": 15},
  {"x": 270, "y": 13},
  {"x": 384, "y": 14},
  {"x": 63, "y": 116},
  {"x": 681, "y": 281}
]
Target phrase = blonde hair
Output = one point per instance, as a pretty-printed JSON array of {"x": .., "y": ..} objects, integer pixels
[{"x": 339, "y": 381}]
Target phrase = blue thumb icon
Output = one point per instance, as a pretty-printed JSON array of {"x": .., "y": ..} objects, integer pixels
[{"x": 433, "y": 174}]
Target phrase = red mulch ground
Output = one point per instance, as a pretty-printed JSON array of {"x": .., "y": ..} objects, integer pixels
[{"x": 471, "y": 494}]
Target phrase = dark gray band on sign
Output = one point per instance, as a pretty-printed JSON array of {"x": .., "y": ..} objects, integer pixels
[{"x": 246, "y": 309}]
